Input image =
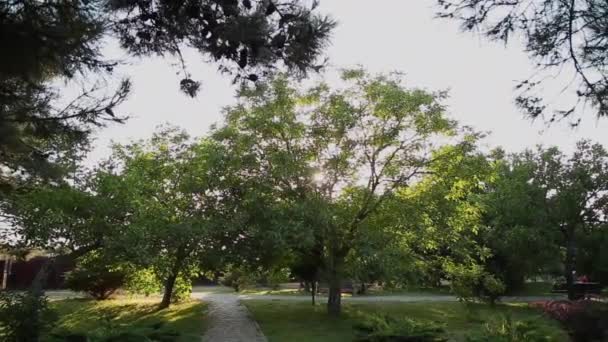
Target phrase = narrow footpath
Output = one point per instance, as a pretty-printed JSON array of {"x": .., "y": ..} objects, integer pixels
[{"x": 229, "y": 320}]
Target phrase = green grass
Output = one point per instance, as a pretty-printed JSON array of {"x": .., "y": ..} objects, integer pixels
[
  {"x": 300, "y": 322},
  {"x": 100, "y": 319}
]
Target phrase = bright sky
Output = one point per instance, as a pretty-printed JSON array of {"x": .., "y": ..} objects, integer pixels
[{"x": 382, "y": 36}]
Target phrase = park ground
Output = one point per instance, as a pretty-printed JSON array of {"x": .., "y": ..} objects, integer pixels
[{"x": 281, "y": 315}]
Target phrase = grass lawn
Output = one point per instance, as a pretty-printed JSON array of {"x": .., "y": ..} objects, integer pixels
[
  {"x": 300, "y": 322},
  {"x": 100, "y": 319}
]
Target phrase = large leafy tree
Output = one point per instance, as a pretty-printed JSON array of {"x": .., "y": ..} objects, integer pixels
[
  {"x": 438, "y": 219},
  {"x": 515, "y": 219},
  {"x": 179, "y": 211},
  {"x": 65, "y": 218},
  {"x": 545, "y": 205},
  {"x": 568, "y": 37},
  {"x": 348, "y": 149},
  {"x": 57, "y": 40},
  {"x": 576, "y": 196}
]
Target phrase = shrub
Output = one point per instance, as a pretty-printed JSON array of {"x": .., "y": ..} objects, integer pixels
[
  {"x": 236, "y": 277},
  {"x": 584, "y": 320},
  {"x": 23, "y": 316},
  {"x": 507, "y": 330},
  {"x": 277, "y": 276},
  {"x": 93, "y": 276},
  {"x": 385, "y": 328},
  {"x": 490, "y": 288},
  {"x": 472, "y": 282},
  {"x": 143, "y": 282},
  {"x": 182, "y": 289}
]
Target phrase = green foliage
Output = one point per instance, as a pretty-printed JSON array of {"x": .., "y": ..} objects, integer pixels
[
  {"x": 557, "y": 34},
  {"x": 96, "y": 277},
  {"x": 50, "y": 43},
  {"x": 99, "y": 321},
  {"x": 592, "y": 257},
  {"x": 584, "y": 320},
  {"x": 275, "y": 276},
  {"x": 44, "y": 42},
  {"x": 182, "y": 289},
  {"x": 386, "y": 328},
  {"x": 237, "y": 277},
  {"x": 322, "y": 161},
  {"x": 472, "y": 282},
  {"x": 179, "y": 205},
  {"x": 506, "y": 329},
  {"x": 143, "y": 282},
  {"x": 299, "y": 321},
  {"x": 24, "y": 316},
  {"x": 515, "y": 219}
]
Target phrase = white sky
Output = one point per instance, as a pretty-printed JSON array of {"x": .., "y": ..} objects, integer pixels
[{"x": 382, "y": 36}]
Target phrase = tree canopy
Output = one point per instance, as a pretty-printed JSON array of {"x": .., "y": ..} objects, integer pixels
[
  {"x": 47, "y": 41},
  {"x": 560, "y": 36}
]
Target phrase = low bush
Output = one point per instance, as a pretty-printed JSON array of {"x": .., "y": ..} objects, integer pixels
[
  {"x": 472, "y": 282},
  {"x": 100, "y": 282},
  {"x": 507, "y": 330},
  {"x": 110, "y": 332},
  {"x": 181, "y": 290},
  {"x": 237, "y": 278},
  {"x": 24, "y": 316},
  {"x": 385, "y": 328},
  {"x": 143, "y": 282},
  {"x": 584, "y": 320},
  {"x": 276, "y": 276}
]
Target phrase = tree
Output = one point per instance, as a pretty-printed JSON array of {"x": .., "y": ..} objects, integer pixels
[
  {"x": 62, "y": 218},
  {"x": 575, "y": 196},
  {"x": 546, "y": 204},
  {"x": 439, "y": 219},
  {"x": 514, "y": 219},
  {"x": 348, "y": 149},
  {"x": 559, "y": 36},
  {"x": 178, "y": 212},
  {"x": 60, "y": 40}
]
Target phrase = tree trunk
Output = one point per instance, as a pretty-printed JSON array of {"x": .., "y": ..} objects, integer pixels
[
  {"x": 170, "y": 282},
  {"x": 5, "y": 272},
  {"x": 363, "y": 289},
  {"x": 570, "y": 264},
  {"x": 313, "y": 292},
  {"x": 335, "y": 271},
  {"x": 334, "y": 302},
  {"x": 168, "y": 292}
]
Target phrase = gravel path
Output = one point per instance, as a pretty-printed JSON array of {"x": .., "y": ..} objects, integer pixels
[{"x": 229, "y": 320}]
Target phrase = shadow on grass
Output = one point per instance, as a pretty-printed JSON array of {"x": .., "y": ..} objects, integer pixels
[{"x": 101, "y": 319}]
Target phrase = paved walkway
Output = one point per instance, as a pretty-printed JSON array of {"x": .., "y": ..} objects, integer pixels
[{"x": 229, "y": 320}]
